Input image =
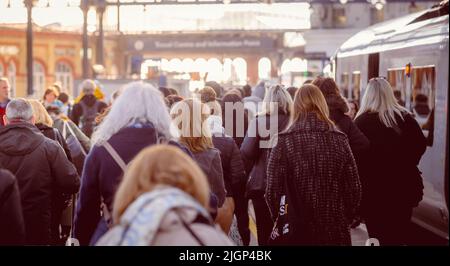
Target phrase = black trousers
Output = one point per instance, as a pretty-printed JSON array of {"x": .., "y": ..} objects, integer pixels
[
  {"x": 264, "y": 223},
  {"x": 391, "y": 226}
]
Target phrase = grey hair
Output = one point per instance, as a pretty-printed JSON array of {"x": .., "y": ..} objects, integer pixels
[
  {"x": 88, "y": 86},
  {"x": 19, "y": 109},
  {"x": 138, "y": 101}
]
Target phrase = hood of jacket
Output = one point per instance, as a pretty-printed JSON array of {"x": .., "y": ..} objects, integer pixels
[
  {"x": 89, "y": 99},
  {"x": 20, "y": 138},
  {"x": 336, "y": 103}
]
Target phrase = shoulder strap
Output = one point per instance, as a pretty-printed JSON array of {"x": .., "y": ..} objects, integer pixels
[
  {"x": 189, "y": 229},
  {"x": 115, "y": 155},
  {"x": 66, "y": 124}
]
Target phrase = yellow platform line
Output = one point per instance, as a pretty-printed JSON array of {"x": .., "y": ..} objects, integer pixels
[{"x": 252, "y": 227}]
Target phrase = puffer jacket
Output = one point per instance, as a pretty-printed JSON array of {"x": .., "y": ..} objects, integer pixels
[{"x": 42, "y": 171}]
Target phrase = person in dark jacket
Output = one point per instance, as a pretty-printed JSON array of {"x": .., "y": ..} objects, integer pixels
[
  {"x": 197, "y": 138},
  {"x": 235, "y": 122},
  {"x": 337, "y": 106},
  {"x": 84, "y": 112},
  {"x": 4, "y": 97},
  {"x": 255, "y": 148},
  {"x": 313, "y": 166},
  {"x": 44, "y": 123},
  {"x": 12, "y": 228},
  {"x": 42, "y": 170},
  {"x": 392, "y": 184},
  {"x": 127, "y": 129}
]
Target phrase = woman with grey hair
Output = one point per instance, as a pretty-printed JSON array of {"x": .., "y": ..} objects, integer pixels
[
  {"x": 275, "y": 114},
  {"x": 392, "y": 184},
  {"x": 137, "y": 119}
]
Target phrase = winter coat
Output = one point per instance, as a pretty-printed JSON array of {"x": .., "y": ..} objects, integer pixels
[
  {"x": 389, "y": 168},
  {"x": 210, "y": 163},
  {"x": 12, "y": 228},
  {"x": 323, "y": 188},
  {"x": 357, "y": 140},
  {"x": 232, "y": 163},
  {"x": 77, "y": 111},
  {"x": 255, "y": 154},
  {"x": 101, "y": 177},
  {"x": 43, "y": 173},
  {"x": 55, "y": 134},
  {"x": 165, "y": 216}
]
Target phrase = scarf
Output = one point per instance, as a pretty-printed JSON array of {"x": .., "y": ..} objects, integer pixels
[{"x": 140, "y": 222}]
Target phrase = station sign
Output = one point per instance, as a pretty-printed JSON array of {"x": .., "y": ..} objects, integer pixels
[{"x": 196, "y": 44}]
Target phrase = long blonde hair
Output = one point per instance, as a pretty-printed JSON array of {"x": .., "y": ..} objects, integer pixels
[
  {"x": 40, "y": 113},
  {"x": 189, "y": 116},
  {"x": 150, "y": 168},
  {"x": 379, "y": 97},
  {"x": 309, "y": 99}
]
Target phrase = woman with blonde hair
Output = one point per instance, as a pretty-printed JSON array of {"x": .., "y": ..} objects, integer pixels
[
  {"x": 390, "y": 165},
  {"x": 163, "y": 204},
  {"x": 190, "y": 118},
  {"x": 312, "y": 170},
  {"x": 125, "y": 131},
  {"x": 276, "y": 110}
]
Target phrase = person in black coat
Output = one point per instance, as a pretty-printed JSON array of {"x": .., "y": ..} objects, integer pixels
[
  {"x": 255, "y": 150},
  {"x": 392, "y": 182},
  {"x": 41, "y": 168},
  {"x": 12, "y": 227},
  {"x": 338, "y": 108}
]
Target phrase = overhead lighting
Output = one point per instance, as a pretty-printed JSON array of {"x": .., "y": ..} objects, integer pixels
[
  {"x": 226, "y": 2},
  {"x": 343, "y": 2},
  {"x": 379, "y": 4}
]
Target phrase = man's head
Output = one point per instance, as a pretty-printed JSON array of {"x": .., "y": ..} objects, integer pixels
[
  {"x": 18, "y": 110},
  {"x": 88, "y": 86},
  {"x": 4, "y": 89}
]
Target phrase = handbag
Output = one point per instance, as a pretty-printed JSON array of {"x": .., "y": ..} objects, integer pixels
[{"x": 281, "y": 228}]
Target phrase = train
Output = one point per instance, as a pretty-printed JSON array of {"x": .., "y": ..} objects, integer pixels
[{"x": 411, "y": 52}]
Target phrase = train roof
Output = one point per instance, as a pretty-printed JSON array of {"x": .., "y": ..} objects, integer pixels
[{"x": 430, "y": 26}]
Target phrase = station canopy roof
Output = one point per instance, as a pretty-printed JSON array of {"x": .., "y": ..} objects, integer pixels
[{"x": 178, "y": 16}]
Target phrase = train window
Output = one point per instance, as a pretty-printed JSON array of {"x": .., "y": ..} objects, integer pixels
[
  {"x": 344, "y": 86},
  {"x": 356, "y": 85},
  {"x": 423, "y": 97},
  {"x": 396, "y": 78}
]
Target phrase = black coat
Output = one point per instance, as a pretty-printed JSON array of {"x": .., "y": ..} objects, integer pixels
[
  {"x": 255, "y": 155},
  {"x": 388, "y": 169},
  {"x": 338, "y": 107},
  {"x": 42, "y": 171},
  {"x": 77, "y": 111},
  {"x": 12, "y": 228},
  {"x": 313, "y": 163},
  {"x": 232, "y": 163}
]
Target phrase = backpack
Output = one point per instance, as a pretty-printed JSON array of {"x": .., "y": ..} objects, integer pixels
[{"x": 87, "y": 119}]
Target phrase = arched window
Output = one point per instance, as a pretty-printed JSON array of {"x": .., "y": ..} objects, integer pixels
[
  {"x": 38, "y": 79},
  {"x": 214, "y": 70},
  {"x": 64, "y": 75},
  {"x": 240, "y": 67},
  {"x": 12, "y": 77},
  {"x": 264, "y": 68},
  {"x": 175, "y": 65}
]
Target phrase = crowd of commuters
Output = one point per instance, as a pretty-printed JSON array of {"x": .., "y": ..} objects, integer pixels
[{"x": 154, "y": 167}]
